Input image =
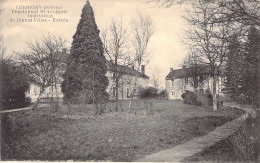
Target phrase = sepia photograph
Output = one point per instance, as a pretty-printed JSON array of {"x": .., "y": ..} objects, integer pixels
[{"x": 130, "y": 80}]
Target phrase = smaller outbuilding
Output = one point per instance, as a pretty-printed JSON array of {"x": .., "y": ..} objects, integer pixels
[{"x": 195, "y": 79}]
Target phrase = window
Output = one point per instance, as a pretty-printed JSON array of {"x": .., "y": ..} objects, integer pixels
[
  {"x": 114, "y": 91},
  {"x": 186, "y": 81},
  {"x": 59, "y": 89},
  {"x": 128, "y": 92},
  {"x": 223, "y": 80},
  {"x": 128, "y": 79},
  {"x": 172, "y": 82},
  {"x": 35, "y": 90},
  {"x": 173, "y": 93}
]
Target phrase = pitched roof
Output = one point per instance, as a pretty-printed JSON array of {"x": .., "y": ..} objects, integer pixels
[
  {"x": 126, "y": 70},
  {"x": 187, "y": 72}
]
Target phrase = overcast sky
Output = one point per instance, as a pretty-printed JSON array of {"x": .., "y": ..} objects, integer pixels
[{"x": 165, "y": 46}]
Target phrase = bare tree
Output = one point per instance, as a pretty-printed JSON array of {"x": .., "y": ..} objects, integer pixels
[
  {"x": 155, "y": 77},
  {"x": 41, "y": 61},
  {"x": 143, "y": 30},
  {"x": 116, "y": 44},
  {"x": 209, "y": 37},
  {"x": 246, "y": 12},
  {"x": 166, "y": 3},
  {"x": 193, "y": 65}
]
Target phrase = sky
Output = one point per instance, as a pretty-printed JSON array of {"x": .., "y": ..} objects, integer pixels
[{"x": 165, "y": 45}]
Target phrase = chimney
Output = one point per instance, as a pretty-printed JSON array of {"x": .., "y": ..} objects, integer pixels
[
  {"x": 171, "y": 69},
  {"x": 64, "y": 50},
  {"x": 143, "y": 69}
]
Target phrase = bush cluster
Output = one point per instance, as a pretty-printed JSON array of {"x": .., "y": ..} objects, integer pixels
[
  {"x": 190, "y": 98},
  {"x": 13, "y": 85},
  {"x": 149, "y": 92},
  {"x": 152, "y": 92},
  {"x": 16, "y": 101},
  {"x": 163, "y": 94}
]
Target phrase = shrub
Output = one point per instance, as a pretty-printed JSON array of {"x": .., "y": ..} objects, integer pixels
[
  {"x": 210, "y": 99},
  {"x": 198, "y": 103},
  {"x": 189, "y": 98},
  {"x": 13, "y": 84},
  {"x": 149, "y": 92},
  {"x": 243, "y": 99},
  {"x": 164, "y": 94},
  {"x": 245, "y": 142}
]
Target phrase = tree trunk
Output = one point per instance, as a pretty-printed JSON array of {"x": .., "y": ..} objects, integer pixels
[
  {"x": 96, "y": 109},
  {"x": 122, "y": 109},
  {"x": 215, "y": 103},
  {"x": 57, "y": 98},
  {"x": 100, "y": 109},
  {"x": 117, "y": 84},
  {"x": 132, "y": 94},
  {"x": 38, "y": 99}
]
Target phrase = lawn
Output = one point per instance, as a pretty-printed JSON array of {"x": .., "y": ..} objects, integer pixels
[{"x": 115, "y": 136}]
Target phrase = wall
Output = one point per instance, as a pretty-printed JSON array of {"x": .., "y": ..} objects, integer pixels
[
  {"x": 126, "y": 86},
  {"x": 175, "y": 91},
  {"x": 179, "y": 87},
  {"x": 34, "y": 92}
]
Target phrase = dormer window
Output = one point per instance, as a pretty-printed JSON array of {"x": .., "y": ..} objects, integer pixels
[{"x": 172, "y": 81}]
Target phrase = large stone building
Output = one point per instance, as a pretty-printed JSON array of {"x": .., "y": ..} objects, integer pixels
[
  {"x": 179, "y": 81},
  {"x": 127, "y": 82}
]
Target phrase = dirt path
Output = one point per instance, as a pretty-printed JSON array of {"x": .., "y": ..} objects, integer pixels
[
  {"x": 22, "y": 109},
  {"x": 197, "y": 145}
]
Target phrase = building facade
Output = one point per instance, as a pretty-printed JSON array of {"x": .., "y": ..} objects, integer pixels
[
  {"x": 126, "y": 84},
  {"x": 179, "y": 81},
  {"x": 129, "y": 78}
]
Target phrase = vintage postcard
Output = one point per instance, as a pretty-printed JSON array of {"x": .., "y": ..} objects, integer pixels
[{"x": 129, "y": 80}]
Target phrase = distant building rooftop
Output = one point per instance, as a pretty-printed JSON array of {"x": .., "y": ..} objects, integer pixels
[
  {"x": 187, "y": 72},
  {"x": 126, "y": 70}
]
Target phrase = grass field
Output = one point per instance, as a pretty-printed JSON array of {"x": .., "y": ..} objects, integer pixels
[{"x": 115, "y": 136}]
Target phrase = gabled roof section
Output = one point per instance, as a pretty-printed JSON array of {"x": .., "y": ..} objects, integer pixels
[
  {"x": 126, "y": 70},
  {"x": 187, "y": 72}
]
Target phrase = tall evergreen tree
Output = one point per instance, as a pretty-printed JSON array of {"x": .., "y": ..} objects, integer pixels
[
  {"x": 233, "y": 67},
  {"x": 242, "y": 68},
  {"x": 250, "y": 78},
  {"x": 85, "y": 77}
]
